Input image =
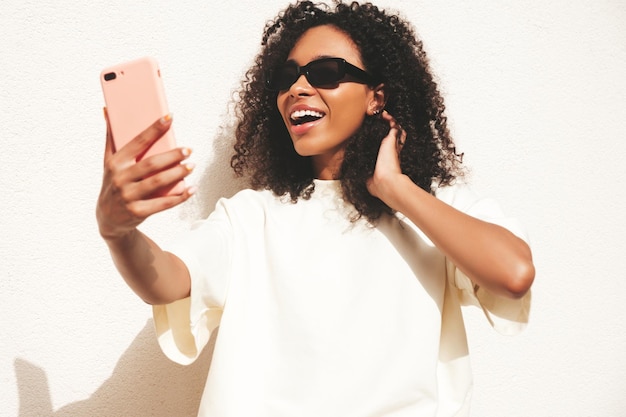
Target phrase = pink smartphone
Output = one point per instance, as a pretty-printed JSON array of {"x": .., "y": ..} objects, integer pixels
[{"x": 135, "y": 98}]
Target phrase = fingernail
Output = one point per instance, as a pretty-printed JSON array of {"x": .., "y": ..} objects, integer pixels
[
  {"x": 186, "y": 152},
  {"x": 166, "y": 119},
  {"x": 192, "y": 190},
  {"x": 190, "y": 166}
]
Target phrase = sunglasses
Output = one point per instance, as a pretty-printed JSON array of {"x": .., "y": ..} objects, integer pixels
[{"x": 319, "y": 73}]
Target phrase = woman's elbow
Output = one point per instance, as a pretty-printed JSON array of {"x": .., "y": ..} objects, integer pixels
[{"x": 521, "y": 279}]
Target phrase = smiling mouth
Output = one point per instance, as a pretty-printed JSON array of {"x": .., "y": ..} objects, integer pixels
[{"x": 300, "y": 117}]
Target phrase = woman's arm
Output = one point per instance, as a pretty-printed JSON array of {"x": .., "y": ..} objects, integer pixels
[
  {"x": 490, "y": 255},
  {"x": 126, "y": 200},
  {"x": 158, "y": 277}
]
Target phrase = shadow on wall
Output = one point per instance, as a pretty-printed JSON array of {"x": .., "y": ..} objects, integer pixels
[
  {"x": 218, "y": 178},
  {"x": 144, "y": 383}
]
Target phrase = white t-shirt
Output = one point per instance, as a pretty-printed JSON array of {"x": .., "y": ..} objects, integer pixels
[{"x": 323, "y": 317}]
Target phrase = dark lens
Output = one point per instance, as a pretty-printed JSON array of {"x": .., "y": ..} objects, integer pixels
[
  {"x": 109, "y": 76},
  {"x": 282, "y": 77},
  {"x": 325, "y": 72}
]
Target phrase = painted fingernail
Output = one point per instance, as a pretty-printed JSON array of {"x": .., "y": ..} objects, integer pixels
[
  {"x": 166, "y": 119},
  {"x": 186, "y": 152},
  {"x": 190, "y": 166},
  {"x": 192, "y": 190}
]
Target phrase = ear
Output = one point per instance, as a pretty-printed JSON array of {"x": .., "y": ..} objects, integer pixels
[{"x": 377, "y": 101}]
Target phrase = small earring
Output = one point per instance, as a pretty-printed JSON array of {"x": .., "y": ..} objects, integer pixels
[{"x": 376, "y": 112}]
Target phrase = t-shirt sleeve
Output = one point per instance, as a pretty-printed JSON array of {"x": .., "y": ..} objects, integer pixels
[
  {"x": 508, "y": 316},
  {"x": 184, "y": 327}
]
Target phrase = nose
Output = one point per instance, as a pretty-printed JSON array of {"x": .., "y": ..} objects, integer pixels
[{"x": 301, "y": 87}]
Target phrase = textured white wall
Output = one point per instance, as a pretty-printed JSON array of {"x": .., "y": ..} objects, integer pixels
[{"x": 536, "y": 98}]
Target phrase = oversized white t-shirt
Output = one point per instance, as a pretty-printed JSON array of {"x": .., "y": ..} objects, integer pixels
[{"x": 323, "y": 317}]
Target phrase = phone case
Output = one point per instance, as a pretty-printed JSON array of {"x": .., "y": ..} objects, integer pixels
[{"x": 135, "y": 98}]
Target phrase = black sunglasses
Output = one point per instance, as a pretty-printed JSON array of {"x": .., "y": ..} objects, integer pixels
[{"x": 319, "y": 73}]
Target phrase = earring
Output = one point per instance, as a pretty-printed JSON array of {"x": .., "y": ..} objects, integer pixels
[{"x": 376, "y": 112}]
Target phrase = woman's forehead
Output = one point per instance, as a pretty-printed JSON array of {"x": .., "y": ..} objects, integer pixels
[{"x": 324, "y": 41}]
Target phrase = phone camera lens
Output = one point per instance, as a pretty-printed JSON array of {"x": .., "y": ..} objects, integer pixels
[{"x": 109, "y": 76}]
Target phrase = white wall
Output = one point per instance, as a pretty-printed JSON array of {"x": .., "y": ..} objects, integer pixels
[{"x": 536, "y": 97}]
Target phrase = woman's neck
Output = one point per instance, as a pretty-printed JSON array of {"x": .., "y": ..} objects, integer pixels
[{"x": 327, "y": 167}]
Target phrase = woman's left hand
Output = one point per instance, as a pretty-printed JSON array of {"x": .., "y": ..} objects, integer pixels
[{"x": 387, "y": 170}]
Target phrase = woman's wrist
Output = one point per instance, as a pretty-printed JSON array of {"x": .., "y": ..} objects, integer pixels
[
  {"x": 393, "y": 191},
  {"x": 120, "y": 239}
]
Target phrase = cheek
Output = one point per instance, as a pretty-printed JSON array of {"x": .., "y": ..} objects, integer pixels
[
  {"x": 280, "y": 101},
  {"x": 350, "y": 111}
]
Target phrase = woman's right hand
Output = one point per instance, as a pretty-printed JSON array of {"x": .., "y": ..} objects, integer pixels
[{"x": 128, "y": 187}]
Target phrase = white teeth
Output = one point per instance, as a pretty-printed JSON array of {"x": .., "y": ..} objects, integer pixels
[{"x": 302, "y": 113}]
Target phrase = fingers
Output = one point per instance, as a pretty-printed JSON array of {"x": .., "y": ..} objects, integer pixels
[
  {"x": 124, "y": 204},
  {"x": 400, "y": 139},
  {"x": 128, "y": 154},
  {"x": 153, "y": 184},
  {"x": 396, "y": 130},
  {"x": 146, "y": 178},
  {"x": 140, "y": 144},
  {"x": 388, "y": 169},
  {"x": 142, "y": 209},
  {"x": 154, "y": 164},
  {"x": 117, "y": 216},
  {"x": 388, "y": 117},
  {"x": 149, "y": 174}
]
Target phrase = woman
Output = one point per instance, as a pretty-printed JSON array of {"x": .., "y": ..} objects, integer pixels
[{"x": 337, "y": 279}]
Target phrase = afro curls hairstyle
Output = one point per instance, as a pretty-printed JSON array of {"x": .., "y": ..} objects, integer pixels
[{"x": 391, "y": 52}]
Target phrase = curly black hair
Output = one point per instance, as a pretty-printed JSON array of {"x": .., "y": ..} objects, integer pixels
[{"x": 391, "y": 52}]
